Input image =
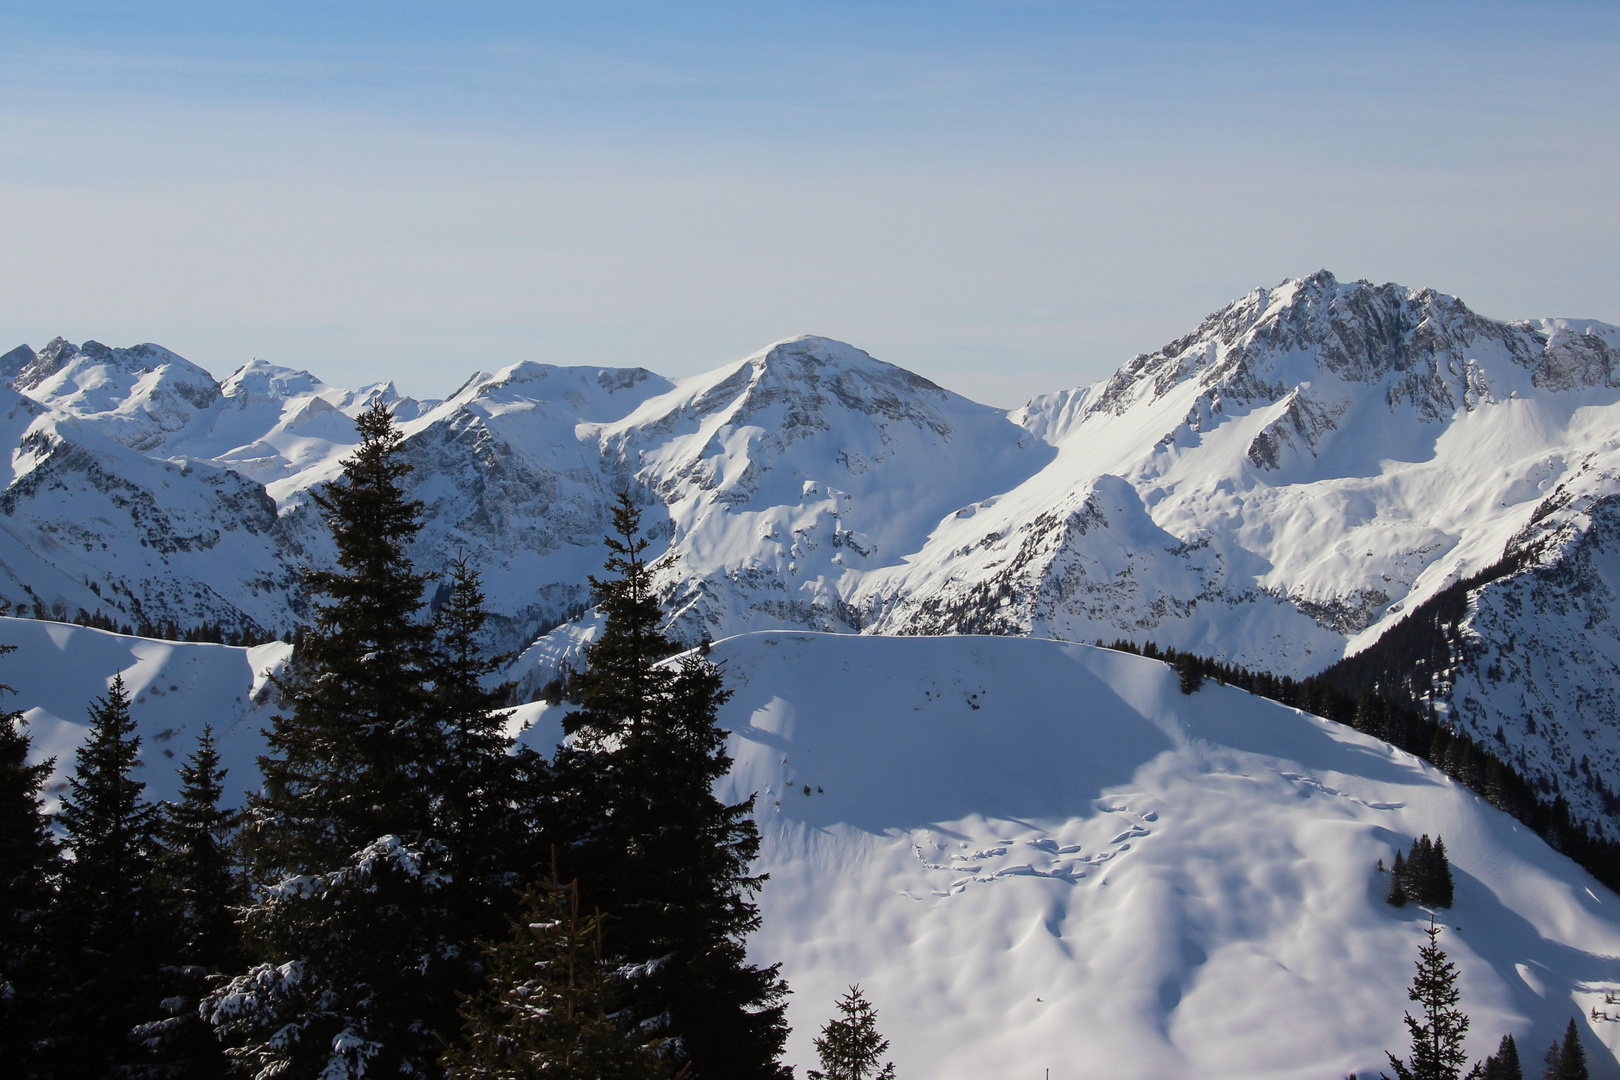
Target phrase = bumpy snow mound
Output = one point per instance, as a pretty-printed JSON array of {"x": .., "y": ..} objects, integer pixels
[{"x": 1040, "y": 855}]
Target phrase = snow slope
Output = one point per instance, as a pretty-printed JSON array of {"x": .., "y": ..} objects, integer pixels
[
  {"x": 1040, "y": 855},
  {"x": 1034, "y": 854},
  {"x": 58, "y": 670}
]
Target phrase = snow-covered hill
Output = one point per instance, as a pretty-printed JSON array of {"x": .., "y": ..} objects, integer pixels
[
  {"x": 1034, "y": 854},
  {"x": 1278, "y": 488}
]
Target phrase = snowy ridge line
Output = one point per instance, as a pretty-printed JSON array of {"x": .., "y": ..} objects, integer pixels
[{"x": 1277, "y": 487}]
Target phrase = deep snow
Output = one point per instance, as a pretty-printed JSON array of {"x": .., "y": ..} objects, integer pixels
[{"x": 1035, "y": 855}]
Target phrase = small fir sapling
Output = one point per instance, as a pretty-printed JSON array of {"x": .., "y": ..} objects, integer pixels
[
  {"x": 1437, "y": 1036},
  {"x": 850, "y": 1046}
]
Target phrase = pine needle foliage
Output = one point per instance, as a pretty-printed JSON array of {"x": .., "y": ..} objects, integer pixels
[
  {"x": 349, "y": 757},
  {"x": 197, "y": 869},
  {"x": 850, "y": 1046},
  {"x": 29, "y": 867},
  {"x": 1566, "y": 1058},
  {"x": 358, "y": 919},
  {"x": 546, "y": 1011},
  {"x": 1437, "y": 1037},
  {"x": 473, "y": 809},
  {"x": 110, "y": 923},
  {"x": 668, "y": 861},
  {"x": 1504, "y": 1064}
]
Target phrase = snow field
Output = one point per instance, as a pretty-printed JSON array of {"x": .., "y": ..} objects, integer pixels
[
  {"x": 1092, "y": 873},
  {"x": 1035, "y": 855}
]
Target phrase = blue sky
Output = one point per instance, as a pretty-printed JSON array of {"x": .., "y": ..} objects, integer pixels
[{"x": 1007, "y": 197}]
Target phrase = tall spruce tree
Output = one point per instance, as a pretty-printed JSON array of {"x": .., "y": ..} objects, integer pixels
[
  {"x": 28, "y": 872},
  {"x": 474, "y": 808},
  {"x": 198, "y": 872},
  {"x": 850, "y": 1046},
  {"x": 1504, "y": 1064},
  {"x": 110, "y": 923},
  {"x": 1572, "y": 1055},
  {"x": 669, "y": 861},
  {"x": 1437, "y": 1037},
  {"x": 350, "y": 758},
  {"x": 355, "y": 914}
]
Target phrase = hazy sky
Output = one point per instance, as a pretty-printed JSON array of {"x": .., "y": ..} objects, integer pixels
[{"x": 1009, "y": 198}]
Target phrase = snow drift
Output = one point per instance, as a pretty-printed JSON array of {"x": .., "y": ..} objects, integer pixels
[{"x": 1035, "y": 854}]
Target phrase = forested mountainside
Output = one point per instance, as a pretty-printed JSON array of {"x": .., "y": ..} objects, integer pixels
[{"x": 1277, "y": 488}]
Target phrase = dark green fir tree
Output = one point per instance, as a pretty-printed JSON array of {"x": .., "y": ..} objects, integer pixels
[
  {"x": 1397, "y": 883},
  {"x": 1504, "y": 1064},
  {"x": 547, "y": 1011},
  {"x": 111, "y": 923},
  {"x": 1440, "y": 875},
  {"x": 474, "y": 809},
  {"x": 1437, "y": 1036},
  {"x": 354, "y": 921},
  {"x": 198, "y": 872},
  {"x": 28, "y": 872},
  {"x": 669, "y": 861},
  {"x": 1567, "y": 1058},
  {"x": 850, "y": 1047}
]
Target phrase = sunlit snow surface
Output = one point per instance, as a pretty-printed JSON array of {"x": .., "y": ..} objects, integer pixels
[{"x": 1034, "y": 854}]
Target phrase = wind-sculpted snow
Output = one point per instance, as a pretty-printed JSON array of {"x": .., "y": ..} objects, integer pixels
[{"x": 1034, "y": 854}]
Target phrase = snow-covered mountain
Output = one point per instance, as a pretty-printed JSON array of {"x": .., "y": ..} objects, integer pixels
[
  {"x": 1034, "y": 854},
  {"x": 1279, "y": 488}
]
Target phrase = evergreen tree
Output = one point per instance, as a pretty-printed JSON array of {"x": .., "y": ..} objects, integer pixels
[
  {"x": 349, "y": 762},
  {"x": 1189, "y": 672},
  {"x": 473, "y": 780},
  {"x": 197, "y": 868},
  {"x": 110, "y": 922},
  {"x": 1426, "y": 874},
  {"x": 1504, "y": 1064},
  {"x": 1419, "y": 862},
  {"x": 1437, "y": 1038},
  {"x": 545, "y": 1011},
  {"x": 1572, "y": 1057},
  {"x": 28, "y": 872},
  {"x": 1397, "y": 887},
  {"x": 850, "y": 1047},
  {"x": 1553, "y": 1059},
  {"x": 1440, "y": 875},
  {"x": 668, "y": 860},
  {"x": 356, "y": 918}
]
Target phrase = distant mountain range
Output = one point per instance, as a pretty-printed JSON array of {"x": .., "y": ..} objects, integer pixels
[{"x": 1280, "y": 487}]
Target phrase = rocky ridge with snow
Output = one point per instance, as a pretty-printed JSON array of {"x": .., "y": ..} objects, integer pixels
[{"x": 1278, "y": 488}]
